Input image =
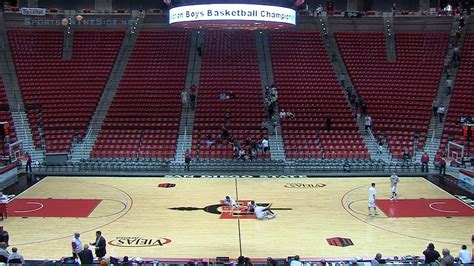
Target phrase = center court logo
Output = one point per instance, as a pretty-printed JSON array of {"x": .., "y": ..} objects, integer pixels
[
  {"x": 226, "y": 212},
  {"x": 139, "y": 242},
  {"x": 304, "y": 185}
]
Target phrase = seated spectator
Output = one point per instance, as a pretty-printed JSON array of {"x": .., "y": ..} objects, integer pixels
[
  {"x": 319, "y": 10},
  {"x": 242, "y": 154},
  {"x": 363, "y": 108},
  {"x": 241, "y": 261},
  {"x": 248, "y": 139},
  {"x": 209, "y": 141},
  {"x": 431, "y": 255},
  {"x": 126, "y": 261},
  {"x": 464, "y": 255},
  {"x": 328, "y": 122},
  {"x": 222, "y": 96},
  {"x": 406, "y": 155},
  {"x": 347, "y": 166},
  {"x": 290, "y": 115},
  {"x": 198, "y": 138},
  {"x": 381, "y": 143},
  {"x": 272, "y": 88},
  {"x": 267, "y": 90},
  {"x": 228, "y": 116},
  {"x": 15, "y": 257},
  {"x": 236, "y": 145},
  {"x": 253, "y": 153},
  {"x": 282, "y": 114},
  {"x": 296, "y": 261},
  {"x": 447, "y": 259},
  {"x": 274, "y": 94},
  {"x": 219, "y": 141},
  {"x": 342, "y": 79},
  {"x": 259, "y": 145},
  {"x": 270, "y": 261},
  {"x": 247, "y": 261},
  {"x": 224, "y": 133},
  {"x": 231, "y": 95},
  {"x": 3, "y": 252},
  {"x": 263, "y": 126},
  {"x": 265, "y": 145},
  {"x": 376, "y": 261}
]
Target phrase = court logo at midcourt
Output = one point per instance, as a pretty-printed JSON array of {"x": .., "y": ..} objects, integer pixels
[
  {"x": 228, "y": 212},
  {"x": 139, "y": 242},
  {"x": 304, "y": 185}
]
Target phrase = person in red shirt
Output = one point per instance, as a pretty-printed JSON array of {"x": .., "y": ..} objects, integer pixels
[
  {"x": 425, "y": 159},
  {"x": 3, "y": 205}
]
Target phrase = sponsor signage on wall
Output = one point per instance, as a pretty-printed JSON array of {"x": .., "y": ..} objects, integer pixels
[{"x": 85, "y": 22}]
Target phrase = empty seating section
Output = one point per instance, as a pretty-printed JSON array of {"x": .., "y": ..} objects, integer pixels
[
  {"x": 5, "y": 116},
  {"x": 143, "y": 120},
  {"x": 461, "y": 101},
  {"x": 61, "y": 95},
  {"x": 229, "y": 63},
  {"x": 398, "y": 94},
  {"x": 308, "y": 87}
]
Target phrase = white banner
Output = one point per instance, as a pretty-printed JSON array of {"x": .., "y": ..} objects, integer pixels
[
  {"x": 26, "y": 11},
  {"x": 233, "y": 12}
]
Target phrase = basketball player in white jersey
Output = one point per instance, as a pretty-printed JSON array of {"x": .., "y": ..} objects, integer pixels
[
  {"x": 264, "y": 213},
  {"x": 372, "y": 193},
  {"x": 394, "y": 179},
  {"x": 229, "y": 201}
]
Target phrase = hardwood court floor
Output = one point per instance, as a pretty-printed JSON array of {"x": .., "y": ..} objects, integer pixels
[{"x": 136, "y": 216}]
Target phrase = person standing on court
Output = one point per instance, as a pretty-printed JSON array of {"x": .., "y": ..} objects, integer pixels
[
  {"x": 76, "y": 245},
  {"x": 100, "y": 245},
  {"x": 3, "y": 205},
  {"x": 394, "y": 179},
  {"x": 4, "y": 237},
  {"x": 372, "y": 194}
]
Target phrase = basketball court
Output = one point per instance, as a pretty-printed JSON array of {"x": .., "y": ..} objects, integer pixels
[{"x": 184, "y": 217}]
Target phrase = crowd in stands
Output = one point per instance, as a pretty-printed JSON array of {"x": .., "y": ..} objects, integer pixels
[{"x": 247, "y": 149}]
